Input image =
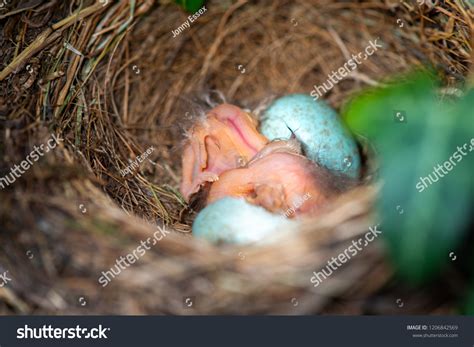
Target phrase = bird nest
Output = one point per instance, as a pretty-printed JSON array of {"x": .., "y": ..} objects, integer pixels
[{"x": 111, "y": 80}]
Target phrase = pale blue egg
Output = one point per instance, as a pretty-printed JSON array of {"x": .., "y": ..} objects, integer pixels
[
  {"x": 233, "y": 220},
  {"x": 324, "y": 138}
]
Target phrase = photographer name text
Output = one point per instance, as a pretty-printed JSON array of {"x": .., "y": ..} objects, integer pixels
[{"x": 187, "y": 24}]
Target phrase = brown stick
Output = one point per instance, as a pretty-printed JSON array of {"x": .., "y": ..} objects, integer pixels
[{"x": 44, "y": 39}]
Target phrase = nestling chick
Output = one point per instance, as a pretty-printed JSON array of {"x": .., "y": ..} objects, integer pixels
[
  {"x": 278, "y": 178},
  {"x": 226, "y": 138},
  {"x": 247, "y": 183}
]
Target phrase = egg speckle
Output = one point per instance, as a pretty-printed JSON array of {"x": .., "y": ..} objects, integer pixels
[
  {"x": 233, "y": 220},
  {"x": 324, "y": 138}
]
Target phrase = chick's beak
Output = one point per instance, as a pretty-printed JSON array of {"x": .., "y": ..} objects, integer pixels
[{"x": 225, "y": 139}]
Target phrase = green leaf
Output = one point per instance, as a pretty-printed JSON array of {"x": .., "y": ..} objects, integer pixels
[
  {"x": 469, "y": 310},
  {"x": 422, "y": 222},
  {"x": 468, "y": 304},
  {"x": 190, "y": 6}
]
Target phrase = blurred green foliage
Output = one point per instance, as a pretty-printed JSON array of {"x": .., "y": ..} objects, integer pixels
[
  {"x": 190, "y": 6},
  {"x": 469, "y": 309},
  {"x": 413, "y": 132}
]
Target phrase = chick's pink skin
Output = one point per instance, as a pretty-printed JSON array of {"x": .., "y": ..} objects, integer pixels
[
  {"x": 225, "y": 139},
  {"x": 280, "y": 181}
]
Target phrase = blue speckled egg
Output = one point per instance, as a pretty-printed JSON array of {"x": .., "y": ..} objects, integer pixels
[
  {"x": 324, "y": 138},
  {"x": 233, "y": 220}
]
